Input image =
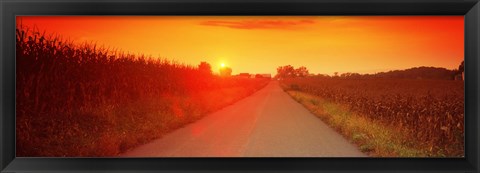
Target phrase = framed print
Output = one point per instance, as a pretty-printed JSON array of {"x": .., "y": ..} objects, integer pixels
[{"x": 315, "y": 86}]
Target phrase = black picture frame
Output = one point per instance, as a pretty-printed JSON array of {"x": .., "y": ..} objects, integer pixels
[{"x": 10, "y": 8}]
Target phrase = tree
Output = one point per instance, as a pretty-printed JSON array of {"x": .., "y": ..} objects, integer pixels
[
  {"x": 301, "y": 71},
  {"x": 289, "y": 71},
  {"x": 335, "y": 74},
  {"x": 285, "y": 71},
  {"x": 205, "y": 68},
  {"x": 225, "y": 71}
]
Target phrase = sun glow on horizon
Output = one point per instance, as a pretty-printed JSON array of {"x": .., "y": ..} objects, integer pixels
[{"x": 260, "y": 44}]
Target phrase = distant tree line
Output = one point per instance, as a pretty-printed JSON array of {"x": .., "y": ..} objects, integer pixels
[
  {"x": 423, "y": 72},
  {"x": 289, "y": 71}
]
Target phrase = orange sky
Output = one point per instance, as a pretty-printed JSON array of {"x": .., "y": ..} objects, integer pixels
[{"x": 259, "y": 44}]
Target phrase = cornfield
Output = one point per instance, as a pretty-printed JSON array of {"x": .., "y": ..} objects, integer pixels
[
  {"x": 430, "y": 113},
  {"x": 82, "y": 100}
]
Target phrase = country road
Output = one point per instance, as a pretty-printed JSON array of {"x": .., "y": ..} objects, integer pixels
[{"x": 269, "y": 123}]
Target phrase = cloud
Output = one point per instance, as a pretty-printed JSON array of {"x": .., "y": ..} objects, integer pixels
[{"x": 259, "y": 24}]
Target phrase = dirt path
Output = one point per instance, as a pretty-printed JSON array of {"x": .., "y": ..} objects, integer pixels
[{"x": 266, "y": 124}]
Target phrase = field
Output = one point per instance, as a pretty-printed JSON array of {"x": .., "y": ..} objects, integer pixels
[
  {"x": 388, "y": 117},
  {"x": 82, "y": 100}
]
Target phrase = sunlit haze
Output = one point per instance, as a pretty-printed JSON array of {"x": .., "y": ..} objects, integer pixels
[{"x": 259, "y": 44}]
